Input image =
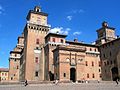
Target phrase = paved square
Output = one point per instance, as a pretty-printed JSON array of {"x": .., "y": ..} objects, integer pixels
[{"x": 70, "y": 86}]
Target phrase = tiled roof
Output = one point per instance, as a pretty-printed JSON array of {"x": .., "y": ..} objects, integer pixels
[{"x": 4, "y": 69}]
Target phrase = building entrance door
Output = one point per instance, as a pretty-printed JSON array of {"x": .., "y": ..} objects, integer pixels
[
  {"x": 73, "y": 74},
  {"x": 51, "y": 75},
  {"x": 114, "y": 73}
]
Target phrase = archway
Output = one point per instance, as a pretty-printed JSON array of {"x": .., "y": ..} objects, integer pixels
[
  {"x": 114, "y": 73},
  {"x": 73, "y": 74}
]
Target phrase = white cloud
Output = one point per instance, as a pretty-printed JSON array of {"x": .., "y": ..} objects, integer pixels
[
  {"x": 81, "y": 11},
  {"x": 76, "y": 11},
  {"x": 77, "y": 33},
  {"x": 69, "y": 18},
  {"x": 61, "y": 30},
  {"x": 1, "y": 9},
  {"x": 49, "y": 25},
  {"x": 68, "y": 29}
]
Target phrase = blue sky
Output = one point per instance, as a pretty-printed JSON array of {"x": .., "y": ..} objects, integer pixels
[{"x": 77, "y": 18}]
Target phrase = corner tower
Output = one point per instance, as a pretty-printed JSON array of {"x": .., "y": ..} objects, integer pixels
[
  {"x": 32, "y": 66},
  {"x": 105, "y": 34}
]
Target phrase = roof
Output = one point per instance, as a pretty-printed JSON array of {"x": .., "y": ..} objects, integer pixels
[
  {"x": 79, "y": 43},
  {"x": 40, "y": 13},
  {"x": 55, "y": 34},
  {"x": 20, "y": 36},
  {"x": 70, "y": 48},
  {"x": 19, "y": 52},
  {"x": 106, "y": 28},
  {"x": 111, "y": 41},
  {"x": 4, "y": 69}
]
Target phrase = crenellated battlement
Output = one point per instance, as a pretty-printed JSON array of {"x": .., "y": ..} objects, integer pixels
[{"x": 38, "y": 28}]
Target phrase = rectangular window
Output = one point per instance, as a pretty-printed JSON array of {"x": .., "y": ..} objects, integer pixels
[
  {"x": 100, "y": 75},
  {"x": 11, "y": 78},
  {"x": 5, "y": 74},
  {"x": 17, "y": 67},
  {"x": 86, "y": 63},
  {"x": 37, "y": 41},
  {"x": 95, "y": 50},
  {"x": 92, "y": 63},
  {"x": 87, "y": 75},
  {"x": 36, "y": 60},
  {"x": 107, "y": 62},
  {"x": 61, "y": 40},
  {"x": 64, "y": 74},
  {"x": 93, "y": 76},
  {"x": 100, "y": 63},
  {"x": 36, "y": 74},
  {"x": 15, "y": 60},
  {"x": 90, "y": 49},
  {"x": 53, "y": 39},
  {"x": 15, "y": 55},
  {"x": 99, "y": 70}
]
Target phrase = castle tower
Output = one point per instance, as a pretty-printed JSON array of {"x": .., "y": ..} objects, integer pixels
[
  {"x": 105, "y": 34},
  {"x": 32, "y": 63},
  {"x": 14, "y": 59}
]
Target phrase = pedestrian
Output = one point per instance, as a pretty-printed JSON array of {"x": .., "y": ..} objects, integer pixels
[
  {"x": 26, "y": 83},
  {"x": 56, "y": 82},
  {"x": 116, "y": 80}
]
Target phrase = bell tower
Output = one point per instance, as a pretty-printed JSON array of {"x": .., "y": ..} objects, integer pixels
[
  {"x": 36, "y": 16},
  {"x": 105, "y": 34}
]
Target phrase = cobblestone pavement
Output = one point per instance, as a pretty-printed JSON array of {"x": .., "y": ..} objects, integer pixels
[{"x": 70, "y": 86}]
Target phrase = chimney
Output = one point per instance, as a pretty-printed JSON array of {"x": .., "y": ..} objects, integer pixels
[{"x": 75, "y": 40}]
